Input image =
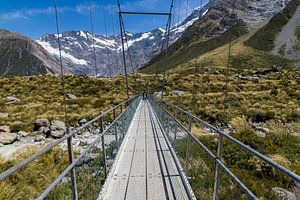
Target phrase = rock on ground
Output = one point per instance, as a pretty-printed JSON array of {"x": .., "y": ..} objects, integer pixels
[
  {"x": 42, "y": 122},
  {"x": 159, "y": 94},
  {"x": 71, "y": 96},
  {"x": 6, "y": 137},
  {"x": 284, "y": 194},
  {"x": 57, "y": 129},
  {"x": 39, "y": 138},
  {"x": 178, "y": 92},
  {"x": 23, "y": 133},
  {"x": 11, "y": 100},
  {"x": 82, "y": 121}
]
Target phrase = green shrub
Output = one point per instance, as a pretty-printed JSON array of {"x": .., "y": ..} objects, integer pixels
[{"x": 17, "y": 126}]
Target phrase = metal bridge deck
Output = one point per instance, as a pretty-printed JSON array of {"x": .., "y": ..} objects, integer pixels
[{"x": 144, "y": 167}]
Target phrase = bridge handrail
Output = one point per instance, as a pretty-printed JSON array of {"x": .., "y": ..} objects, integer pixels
[
  {"x": 46, "y": 149},
  {"x": 264, "y": 158},
  {"x": 73, "y": 164},
  {"x": 216, "y": 159}
]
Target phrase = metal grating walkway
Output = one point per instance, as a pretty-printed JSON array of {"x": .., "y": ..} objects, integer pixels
[{"x": 145, "y": 167}]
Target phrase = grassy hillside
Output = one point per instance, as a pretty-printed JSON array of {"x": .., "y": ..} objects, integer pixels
[
  {"x": 195, "y": 49},
  {"x": 216, "y": 28},
  {"x": 41, "y": 97}
]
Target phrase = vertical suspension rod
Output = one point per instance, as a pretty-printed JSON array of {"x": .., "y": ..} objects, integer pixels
[
  {"x": 93, "y": 34},
  {"x": 129, "y": 55},
  {"x": 70, "y": 148},
  {"x": 168, "y": 27},
  {"x": 123, "y": 48}
]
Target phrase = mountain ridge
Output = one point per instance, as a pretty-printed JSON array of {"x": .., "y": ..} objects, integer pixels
[
  {"x": 77, "y": 47},
  {"x": 22, "y": 56},
  {"x": 214, "y": 26}
]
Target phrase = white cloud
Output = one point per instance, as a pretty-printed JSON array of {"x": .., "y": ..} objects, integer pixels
[
  {"x": 25, "y": 14},
  {"x": 12, "y": 15}
]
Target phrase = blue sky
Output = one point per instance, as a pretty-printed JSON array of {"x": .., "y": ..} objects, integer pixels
[{"x": 34, "y": 18}]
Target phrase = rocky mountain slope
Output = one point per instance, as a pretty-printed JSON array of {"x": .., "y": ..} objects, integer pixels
[
  {"x": 78, "y": 46},
  {"x": 218, "y": 27},
  {"x": 281, "y": 35},
  {"x": 21, "y": 56},
  {"x": 287, "y": 42}
]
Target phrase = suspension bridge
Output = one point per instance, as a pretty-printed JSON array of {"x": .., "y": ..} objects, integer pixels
[{"x": 146, "y": 150}]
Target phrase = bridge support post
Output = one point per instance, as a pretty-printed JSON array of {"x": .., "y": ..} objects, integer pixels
[
  {"x": 73, "y": 173},
  {"x": 190, "y": 123},
  {"x": 104, "y": 155},
  {"x": 175, "y": 136},
  {"x": 103, "y": 146},
  {"x": 217, "y": 171},
  {"x": 116, "y": 136},
  {"x": 114, "y": 114},
  {"x": 187, "y": 153}
]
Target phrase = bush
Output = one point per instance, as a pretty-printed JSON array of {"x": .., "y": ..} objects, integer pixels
[
  {"x": 99, "y": 103},
  {"x": 17, "y": 126}
]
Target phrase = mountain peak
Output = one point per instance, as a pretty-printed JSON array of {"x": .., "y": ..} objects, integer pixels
[{"x": 77, "y": 47}]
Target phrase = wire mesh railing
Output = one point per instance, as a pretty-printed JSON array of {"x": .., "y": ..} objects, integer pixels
[
  {"x": 84, "y": 176},
  {"x": 204, "y": 158},
  {"x": 92, "y": 166}
]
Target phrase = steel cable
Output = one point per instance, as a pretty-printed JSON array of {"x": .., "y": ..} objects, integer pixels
[
  {"x": 61, "y": 62},
  {"x": 106, "y": 36},
  {"x": 93, "y": 38}
]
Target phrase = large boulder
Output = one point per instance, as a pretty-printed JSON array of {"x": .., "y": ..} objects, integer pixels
[
  {"x": 6, "y": 137},
  {"x": 57, "y": 129},
  {"x": 44, "y": 130},
  {"x": 41, "y": 122}
]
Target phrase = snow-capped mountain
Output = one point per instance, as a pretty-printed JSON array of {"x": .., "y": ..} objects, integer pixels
[{"x": 78, "y": 48}]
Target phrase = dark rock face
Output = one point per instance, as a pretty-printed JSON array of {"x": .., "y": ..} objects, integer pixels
[{"x": 21, "y": 56}]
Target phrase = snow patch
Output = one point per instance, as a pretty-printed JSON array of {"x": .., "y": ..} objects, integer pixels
[
  {"x": 82, "y": 34},
  {"x": 77, "y": 43},
  {"x": 143, "y": 37},
  {"x": 129, "y": 34},
  {"x": 204, "y": 13},
  {"x": 65, "y": 55},
  {"x": 56, "y": 35},
  {"x": 162, "y": 30},
  {"x": 108, "y": 42},
  {"x": 182, "y": 28}
]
